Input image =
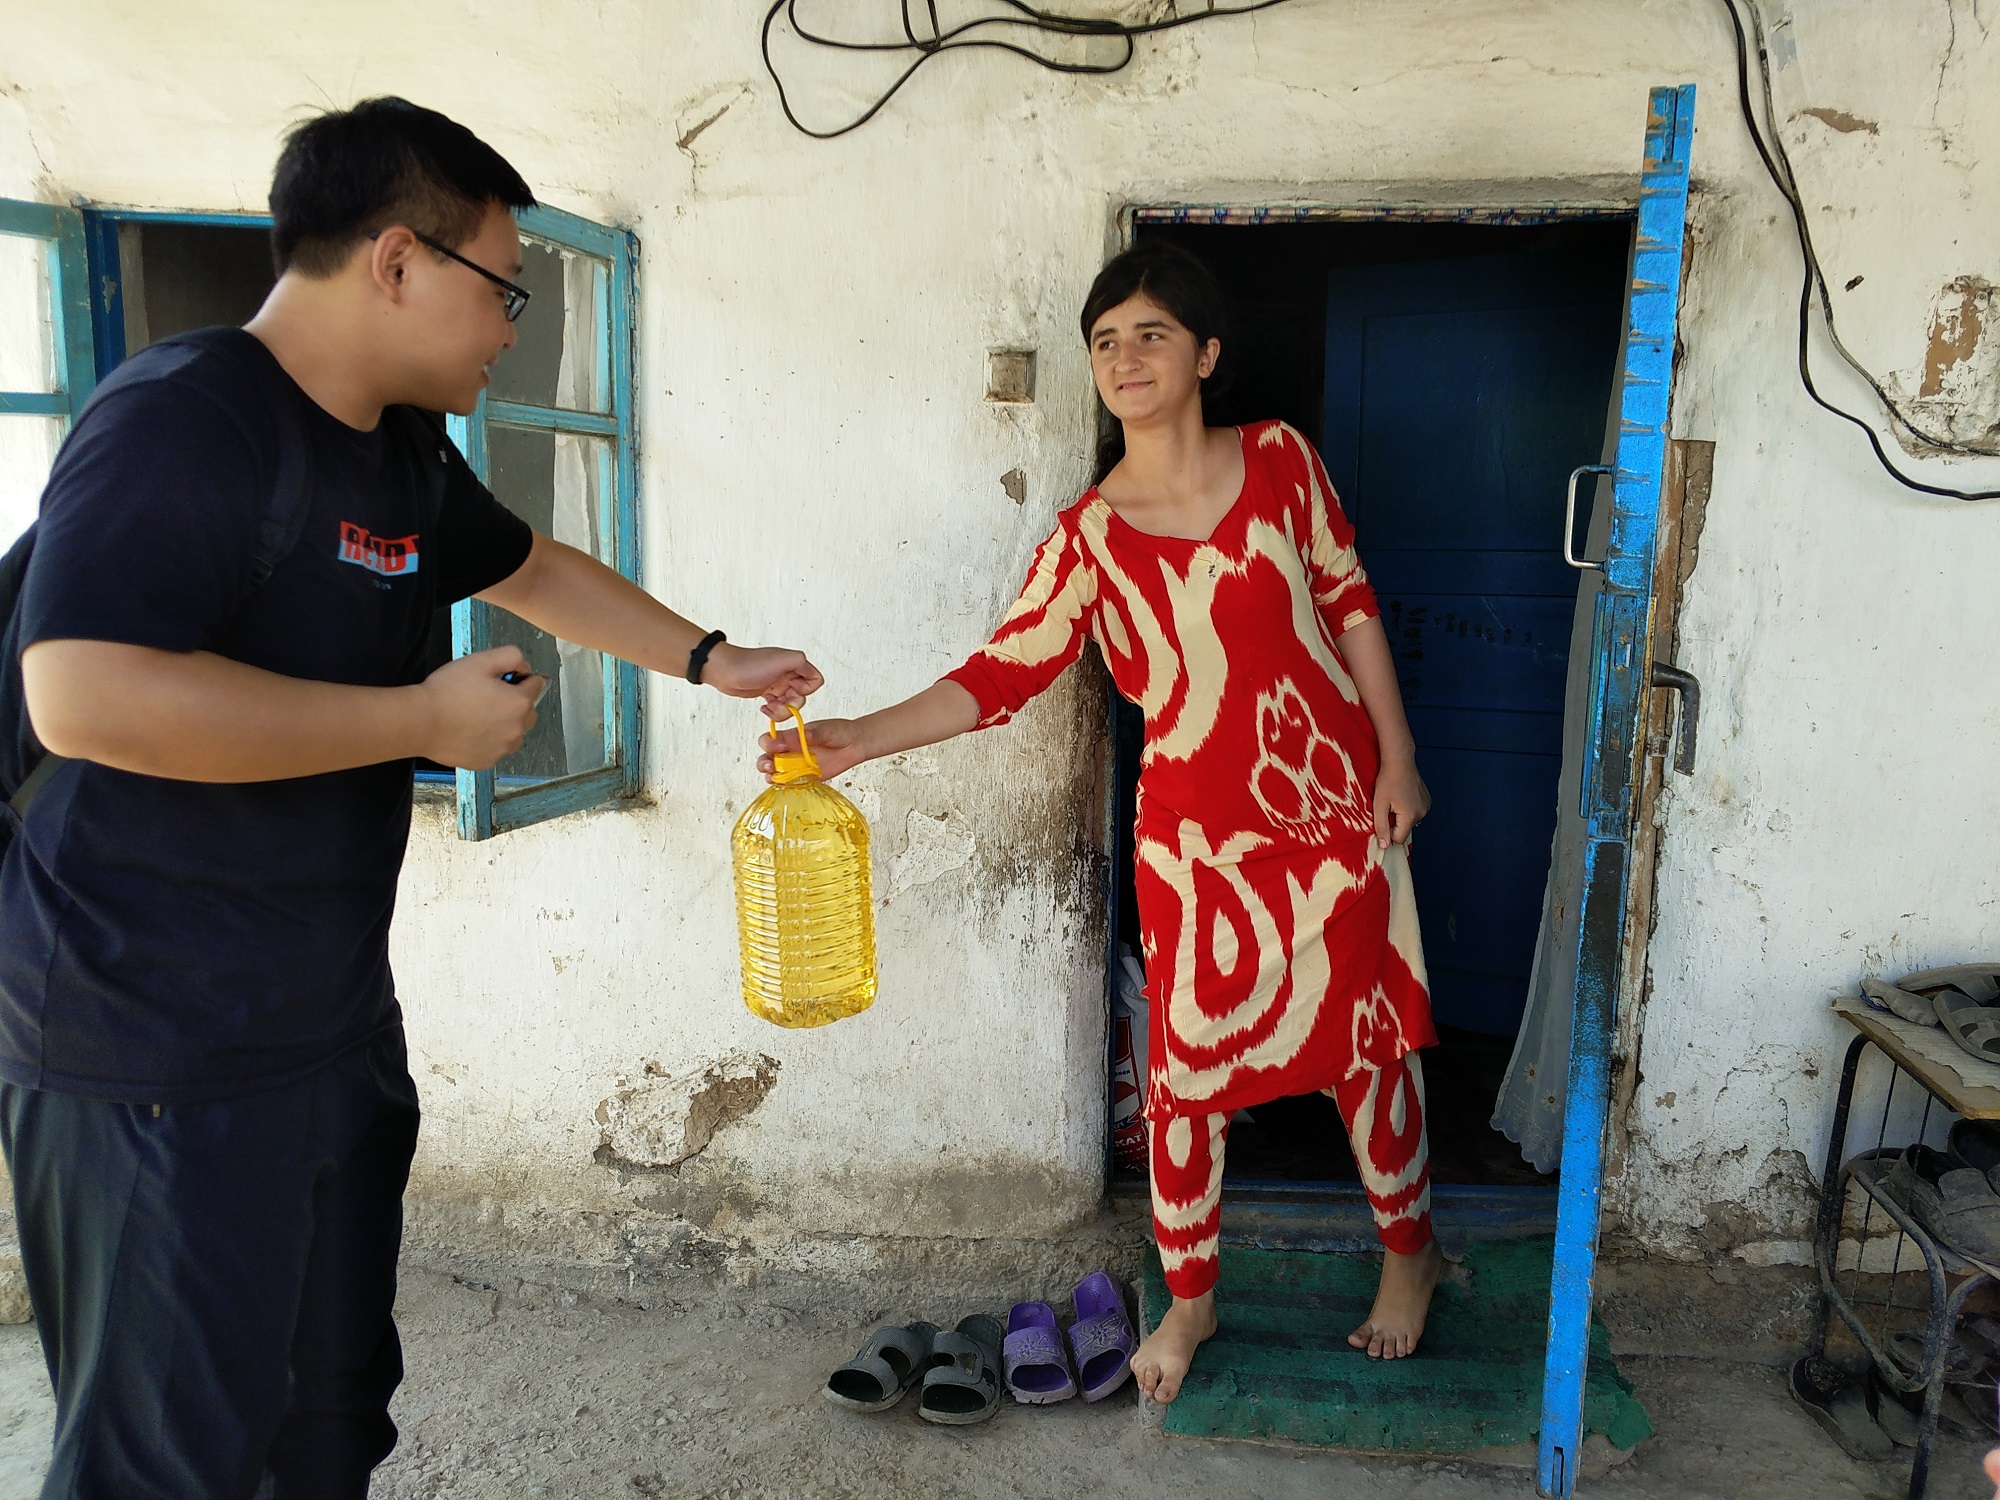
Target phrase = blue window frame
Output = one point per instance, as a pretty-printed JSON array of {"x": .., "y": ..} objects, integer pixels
[
  {"x": 47, "y": 368},
  {"x": 553, "y": 437}
]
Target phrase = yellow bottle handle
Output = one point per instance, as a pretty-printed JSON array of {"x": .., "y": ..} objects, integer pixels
[{"x": 791, "y": 766}]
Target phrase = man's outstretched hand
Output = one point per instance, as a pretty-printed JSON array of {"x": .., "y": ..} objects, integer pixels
[{"x": 780, "y": 677}]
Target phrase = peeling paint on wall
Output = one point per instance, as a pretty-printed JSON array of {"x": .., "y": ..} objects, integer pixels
[
  {"x": 1762, "y": 1212},
  {"x": 661, "y": 1119},
  {"x": 705, "y": 111},
  {"x": 1841, "y": 120},
  {"x": 934, "y": 847},
  {"x": 1956, "y": 323},
  {"x": 1956, "y": 394}
]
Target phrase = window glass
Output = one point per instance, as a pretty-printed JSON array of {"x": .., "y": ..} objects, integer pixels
[
  {"x": 27, "y": 338},
  {"x": 556, "y": 482},
  {"x": 553, "y": 438},
  {"x": 560, "y": 359}
]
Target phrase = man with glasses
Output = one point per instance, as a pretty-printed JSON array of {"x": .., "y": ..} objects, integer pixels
[{"x": 204, "y": 1095}]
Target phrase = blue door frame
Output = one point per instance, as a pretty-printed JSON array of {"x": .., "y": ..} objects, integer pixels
[{"x": 1621, "y": 651}]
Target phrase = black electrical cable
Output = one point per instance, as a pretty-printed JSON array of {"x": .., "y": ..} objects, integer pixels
[
  {"x": 940, "y": 40},
  {"x": 1777, "y": 162}
]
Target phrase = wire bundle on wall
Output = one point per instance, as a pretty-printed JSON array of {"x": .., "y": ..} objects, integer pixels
[
  {"x": 1777, "y": 162},
  {"x": 1020, "y": 19}
]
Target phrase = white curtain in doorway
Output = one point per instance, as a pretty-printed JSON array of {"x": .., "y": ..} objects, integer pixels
[{"x": 1529, "y": 1109}]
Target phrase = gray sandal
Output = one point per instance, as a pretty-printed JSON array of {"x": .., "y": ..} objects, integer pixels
[
  {"x": 1975, "y": 1027},
  {"x": 1899, "y": 1002},
  {"x": 892, "y": 1361},
  {"x": 1979, "y": 981},
  {"x": 963, "y": 1383}
]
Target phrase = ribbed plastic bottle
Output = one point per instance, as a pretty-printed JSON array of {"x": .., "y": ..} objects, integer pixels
[{"x": 805, "y": 907}]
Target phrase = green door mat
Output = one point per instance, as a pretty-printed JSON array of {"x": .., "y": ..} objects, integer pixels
[{"x": 1281, "y": 1367}]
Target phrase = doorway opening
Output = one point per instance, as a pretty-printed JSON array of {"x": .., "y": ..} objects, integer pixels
[{"x": 1452, "y": 374}]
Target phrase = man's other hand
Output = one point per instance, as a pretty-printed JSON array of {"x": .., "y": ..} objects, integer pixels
[{"x": 477, "y": 717}]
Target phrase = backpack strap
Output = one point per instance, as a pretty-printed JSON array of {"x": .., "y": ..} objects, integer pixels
[
  {"x": 27, "y": 791},
  {"x": 285, "y": 517},
  {"x": 427, "y": 432},
  {"x": 285, "y": 514}
]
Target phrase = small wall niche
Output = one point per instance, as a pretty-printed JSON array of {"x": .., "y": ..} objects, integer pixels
[{"x": 1010, "y": 376}]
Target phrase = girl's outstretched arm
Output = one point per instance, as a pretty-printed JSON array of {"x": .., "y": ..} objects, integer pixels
[
  {"x": 1043, "y": 632},
  {"x": 1401, "y": 798},
  {"x": 942, "y": 711}
]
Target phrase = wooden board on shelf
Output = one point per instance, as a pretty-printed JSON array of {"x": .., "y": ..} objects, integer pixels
[{"x": 1965, "y": 1084}]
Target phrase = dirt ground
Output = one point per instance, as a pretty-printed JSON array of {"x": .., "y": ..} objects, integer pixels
[{"x": 515, "y": 1390}]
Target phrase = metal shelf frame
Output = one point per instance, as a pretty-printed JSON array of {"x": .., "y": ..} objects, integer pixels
[{"x": 1938, "y": 1303}]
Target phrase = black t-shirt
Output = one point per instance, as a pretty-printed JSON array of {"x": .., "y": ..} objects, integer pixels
[{"x": 170, "y": 940}]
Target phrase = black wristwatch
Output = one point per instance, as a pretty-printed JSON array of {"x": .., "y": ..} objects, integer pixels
[{"x": 698, "y": 658}]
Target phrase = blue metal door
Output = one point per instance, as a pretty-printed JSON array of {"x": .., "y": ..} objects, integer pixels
[
  {"x": 1460, "y": 393},
  {"x": 1621, "y": 653}
]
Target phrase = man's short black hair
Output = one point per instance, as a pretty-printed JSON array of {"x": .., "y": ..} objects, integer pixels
[{"x": 348, "y": 173}]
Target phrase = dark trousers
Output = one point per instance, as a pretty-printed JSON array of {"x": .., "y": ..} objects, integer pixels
[{"x": 215, "y": 1283}]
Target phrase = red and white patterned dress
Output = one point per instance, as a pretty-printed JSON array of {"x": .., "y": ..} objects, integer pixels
[{"x": 1281, "y": 949}]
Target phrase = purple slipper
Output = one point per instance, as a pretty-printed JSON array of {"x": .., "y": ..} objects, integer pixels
[
  {"x": 1102, "y": 1337},
  {"x": 1036, "y": 1368}
]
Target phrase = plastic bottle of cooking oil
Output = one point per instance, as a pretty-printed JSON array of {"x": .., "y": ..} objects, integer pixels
[{"x": 805, "y": 908}]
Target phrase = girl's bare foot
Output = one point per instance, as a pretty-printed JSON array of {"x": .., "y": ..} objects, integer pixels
[
  {"x": 1401, "y": 1304},
  {"x": 1161, "y": 1363}
]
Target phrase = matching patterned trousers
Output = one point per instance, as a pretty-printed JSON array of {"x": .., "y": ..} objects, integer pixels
[{"x": 1384, "y": 1112}]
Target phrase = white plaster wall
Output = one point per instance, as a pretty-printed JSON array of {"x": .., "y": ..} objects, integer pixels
[{"x": 819, "y": 467}]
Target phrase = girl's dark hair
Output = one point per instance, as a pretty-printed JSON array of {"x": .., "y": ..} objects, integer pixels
[
  {"x": 1181, "y": 283},
  {"x": 345, "y": 174}
]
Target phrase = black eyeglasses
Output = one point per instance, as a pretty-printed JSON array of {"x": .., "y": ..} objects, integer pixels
[{"x": 517, "y": 296}]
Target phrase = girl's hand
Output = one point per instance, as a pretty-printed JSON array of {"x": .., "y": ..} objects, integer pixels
[
  {"x": 836, "y": 745},
  {"x": 1401, "y": 801},
  {"x": 780, "y": 677}
]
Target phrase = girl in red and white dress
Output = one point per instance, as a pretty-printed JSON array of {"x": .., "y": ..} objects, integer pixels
[{"x": 1277, "y": 790}]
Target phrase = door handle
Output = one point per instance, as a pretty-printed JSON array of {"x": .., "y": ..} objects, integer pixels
[
  {"x": 1569, "y": 516},
  {"x": 1689, "y": 688}
]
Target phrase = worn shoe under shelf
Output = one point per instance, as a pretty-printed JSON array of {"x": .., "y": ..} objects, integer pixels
[{"x": 1954, "y": 1204}]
